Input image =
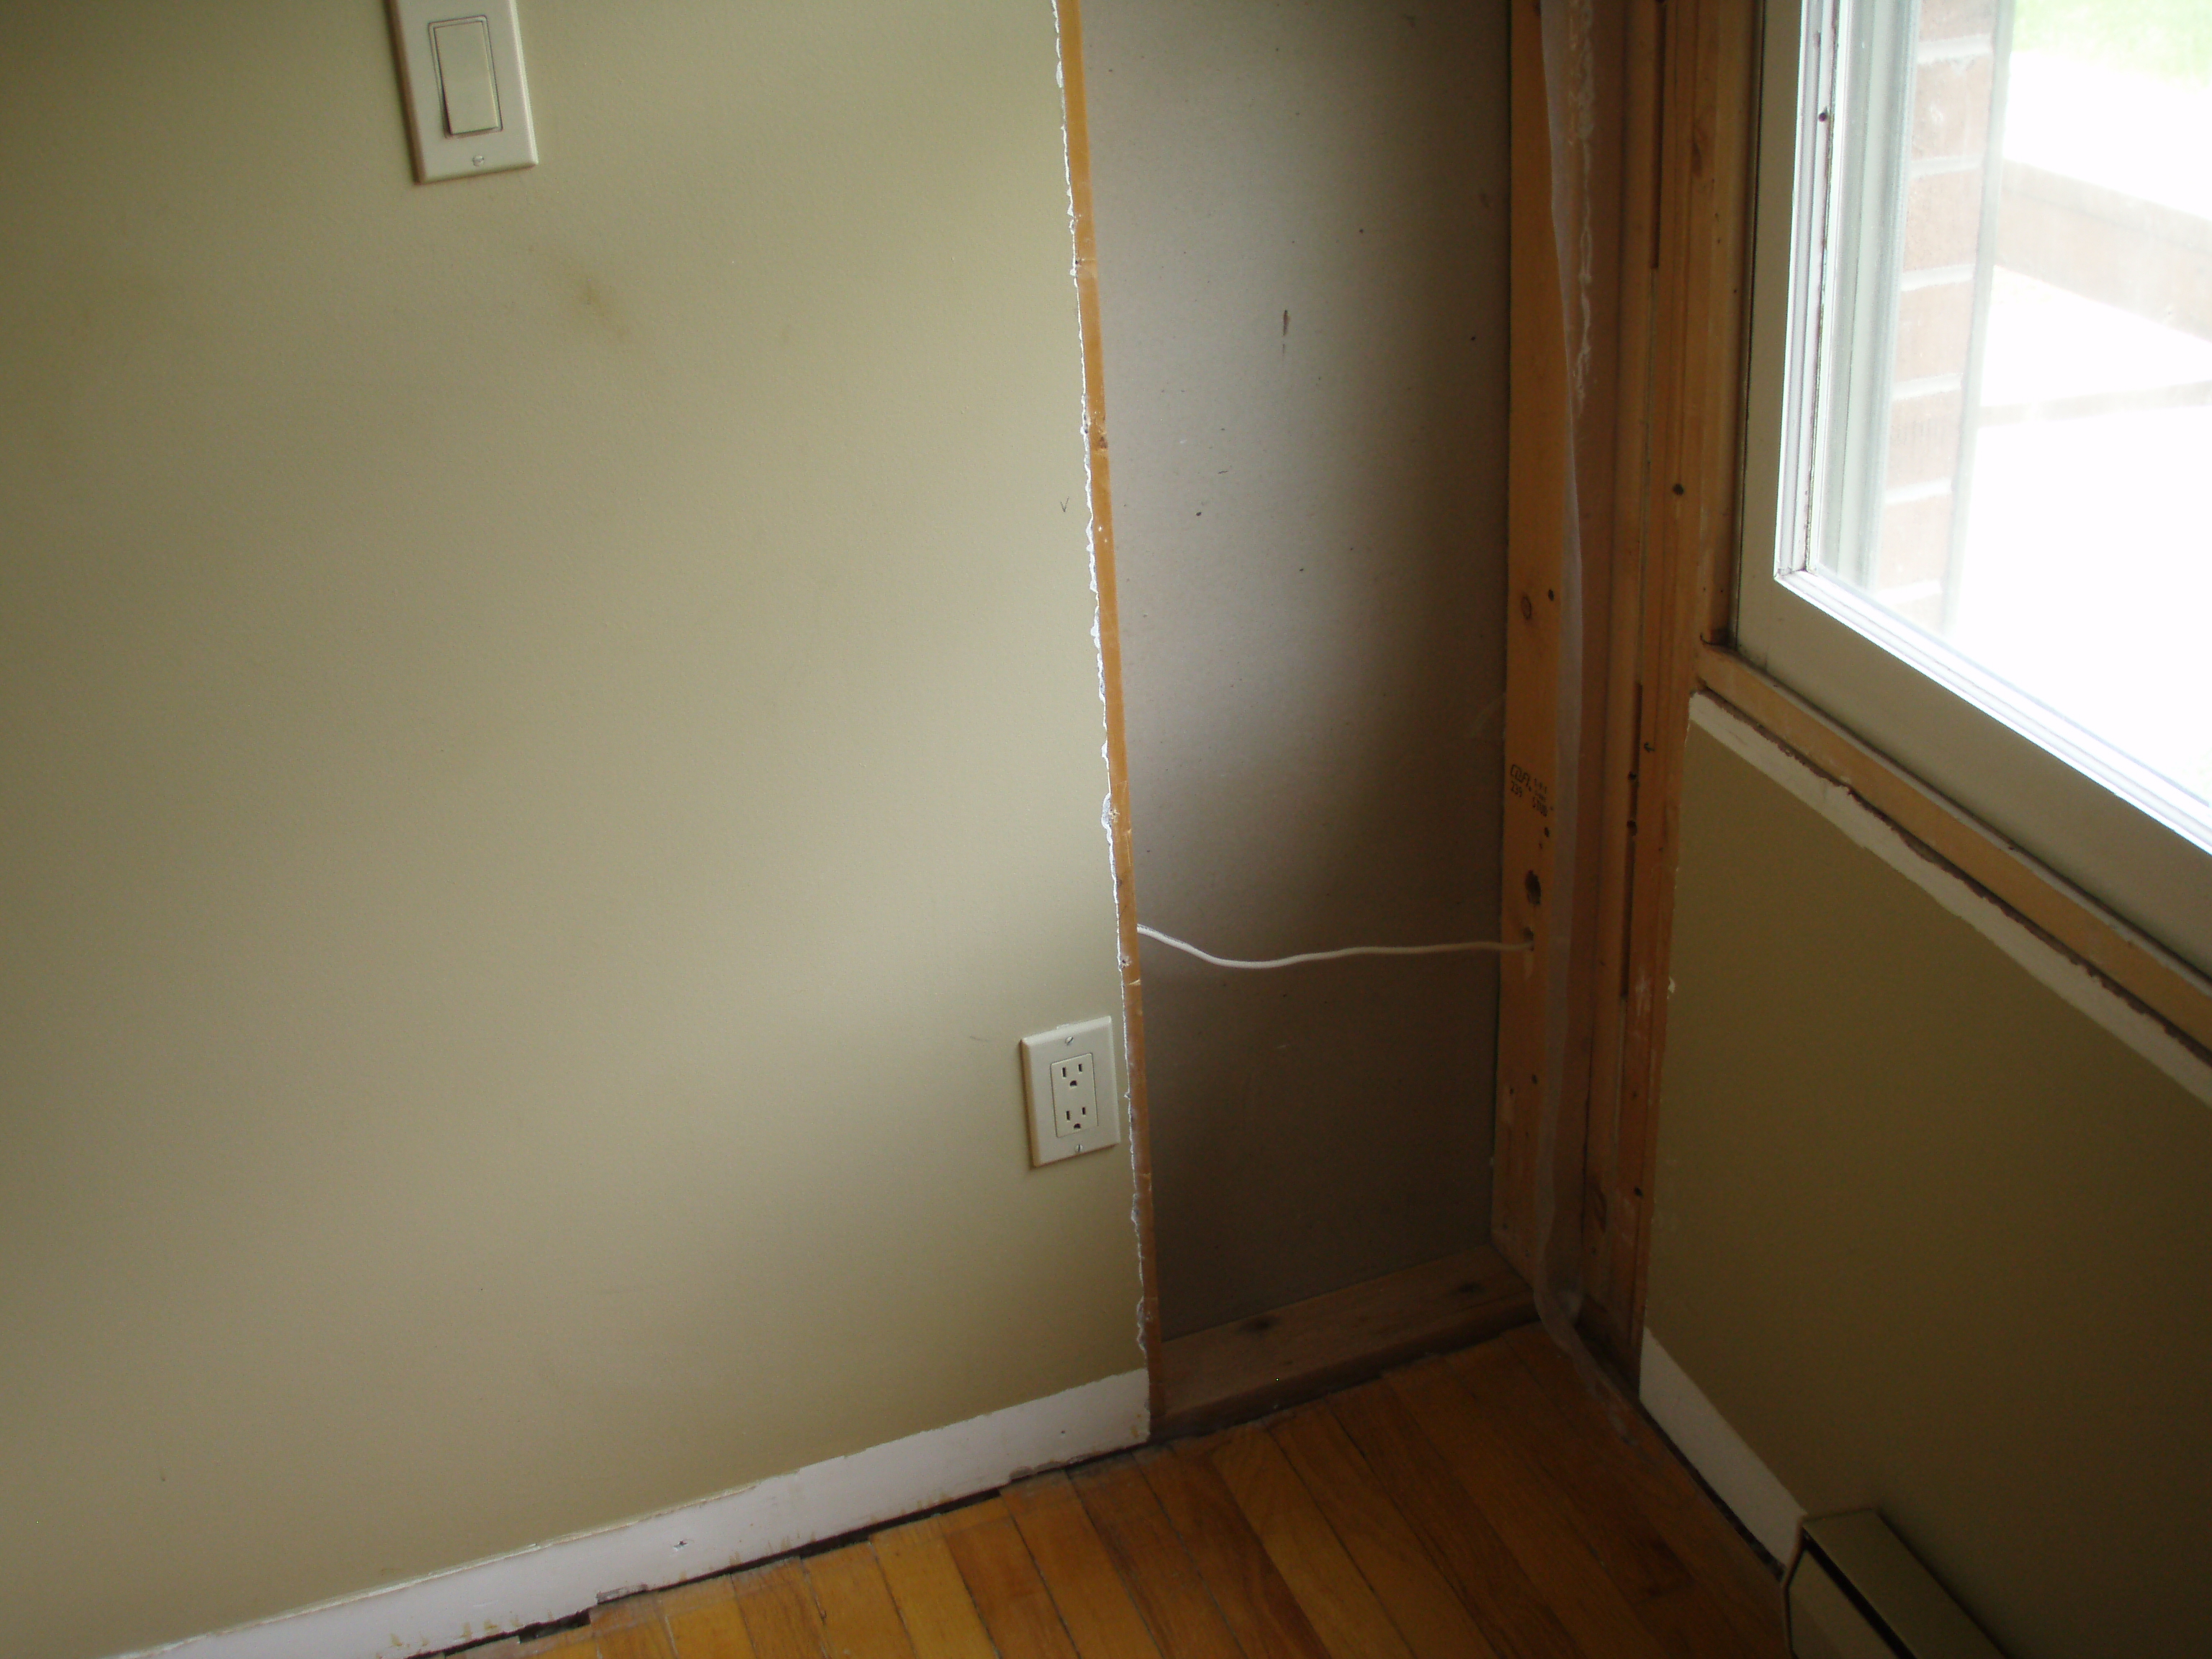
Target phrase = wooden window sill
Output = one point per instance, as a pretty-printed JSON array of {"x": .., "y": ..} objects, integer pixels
[{"x": 2141, "y": 971}]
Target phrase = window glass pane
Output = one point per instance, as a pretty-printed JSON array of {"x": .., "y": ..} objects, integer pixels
[{"x": 2013, "y": 403}]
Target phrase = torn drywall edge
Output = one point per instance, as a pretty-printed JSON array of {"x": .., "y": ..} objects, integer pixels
[
  {"x": 1067, "y": 116},
  {"x": 1720, "y": 1456},
  {"x": 2055, "y": 970},
  {"x": 1093, "y": 400},
  {"x": 553, "y": 1580}
]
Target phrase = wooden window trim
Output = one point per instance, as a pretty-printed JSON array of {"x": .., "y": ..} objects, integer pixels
[
  {"x": 2140, "y": 969},
  {"x": 1665, "y": 634}
]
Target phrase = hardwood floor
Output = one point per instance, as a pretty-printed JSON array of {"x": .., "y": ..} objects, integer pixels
[{"x": 1483, "y": 1506}]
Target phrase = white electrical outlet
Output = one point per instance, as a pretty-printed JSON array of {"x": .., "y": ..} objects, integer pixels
[{"x": 1073, "y": 1100}]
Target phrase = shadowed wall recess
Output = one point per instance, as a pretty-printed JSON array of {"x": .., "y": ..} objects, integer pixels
[{"x": 1302, "y": 227}]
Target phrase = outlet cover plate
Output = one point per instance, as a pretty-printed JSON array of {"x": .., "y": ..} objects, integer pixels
[{"x": 1093, "y": 1037}]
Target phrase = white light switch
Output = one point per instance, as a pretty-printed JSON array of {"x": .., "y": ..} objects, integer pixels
[
  {"x": 468, "y": 99},
  {"x": 465, "y": 74}
]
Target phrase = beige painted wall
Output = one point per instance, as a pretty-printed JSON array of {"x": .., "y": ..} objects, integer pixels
[
  {"x": 550, "y": 747},
  {"x": 1930, "y": 1238},
  {"x": 1302, "y": 224}
]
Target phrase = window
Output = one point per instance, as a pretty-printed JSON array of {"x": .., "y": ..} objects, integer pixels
[{"x": 1981, "y": 426}]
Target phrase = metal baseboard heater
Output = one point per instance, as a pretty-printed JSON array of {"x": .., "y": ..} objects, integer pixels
[{"x": 1854, "y": 1591}]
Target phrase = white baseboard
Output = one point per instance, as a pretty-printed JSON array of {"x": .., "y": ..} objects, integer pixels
[
  {"x": 553, "y": 1580},
  {"x": 1718, "y": 1453}
]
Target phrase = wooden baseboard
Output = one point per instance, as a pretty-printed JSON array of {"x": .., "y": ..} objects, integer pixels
[{"x": 1260, "y": 1365}]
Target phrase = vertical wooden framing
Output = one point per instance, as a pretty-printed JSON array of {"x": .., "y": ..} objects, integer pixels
[
  {"x": 1070, "y": 17},
  {"x": 1536, "y": 507},
  {"x": 1658, "y": 587},
  {"x": 1616, "y": 802},
  {"x": 1706, "y": 79}
]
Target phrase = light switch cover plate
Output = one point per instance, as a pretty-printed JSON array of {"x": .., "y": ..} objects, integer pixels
[
  {"x": 438, "y": 152},
  {"x": 1096, "y": 1078}
]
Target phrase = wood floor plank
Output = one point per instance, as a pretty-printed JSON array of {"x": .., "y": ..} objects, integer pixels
[
  {"x": 1510, "y": 1401},
  {"x": 933, "y": 1598},
  {"x": 1163, "y": 1579},
  {"x": 1528, "y": 1514},
  {"x": 1078, "y": 1570},
  {"x": 860, "y": 1620},
  {"x": 1390, "y": 1553},
  {"x": 1342, "y": 1606},
  {"x": 780, "y": 1613},
  {"x": 1473, "y": 1560},
  {"x": 1581, "y": 1463},
  {"x": 1259, "y": 1606},
  {"x": 1694, "y": 1526},
  {"x": 1489, "y": 1505},
  {"x": 704, "y": 1622},
  {"x": 632, "y": 1628},
  {"x": 1017, "y": 1608},
  {"x": 572, "y": 1644}
]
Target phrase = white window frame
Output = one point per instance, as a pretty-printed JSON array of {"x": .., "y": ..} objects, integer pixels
[{"x": 2105, "y": 824}]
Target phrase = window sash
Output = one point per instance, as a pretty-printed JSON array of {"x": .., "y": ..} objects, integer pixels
[{"x": 2104, "y": 823}]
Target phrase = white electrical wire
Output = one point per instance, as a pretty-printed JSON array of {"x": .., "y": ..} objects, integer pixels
[{"x": 1333, "y": 956}]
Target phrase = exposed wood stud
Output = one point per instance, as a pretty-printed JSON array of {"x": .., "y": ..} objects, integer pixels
[
  {"x": 1247, "y": 1366},
  {"x": 1688, "y": 164},
  {"x": 1536, "y": 498}
]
